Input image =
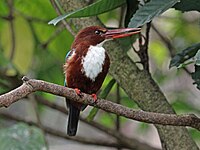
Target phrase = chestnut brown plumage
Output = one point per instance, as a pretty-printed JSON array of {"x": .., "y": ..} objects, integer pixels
[{"x": 87, "y": 65}]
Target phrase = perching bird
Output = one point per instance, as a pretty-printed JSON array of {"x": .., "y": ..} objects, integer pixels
[{"x": 87, "y": 65}]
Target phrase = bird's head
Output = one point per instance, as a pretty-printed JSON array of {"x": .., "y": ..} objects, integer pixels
[{"x": 95, "y": 34}]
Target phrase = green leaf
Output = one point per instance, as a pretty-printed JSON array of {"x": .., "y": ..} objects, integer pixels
[
  {"x": 183, "y": 65},
  {"x": 22, "y": 137},
  {"x": 195, "y": 135},
  {"x": 150, "y": 10},
  {"x": 181, "y": 105},
  {"x": 132, "y": 6},
  {"x": 96, "y": 8},
  {"x": 107, "y": 119},
  {"x": 126, "y": 101},
  {"x": 4, "y": 8},
  {"x": 3, "y": 60},
  {"x": 92, "y": 114},
  {"x": 188, "y": 5},
  {"x": 107, "y": 89},
  {"x": 196, "y": 76},
  {"x": 126, "y": 42},
  {"x": 184, "y": 55},
  {"x": 103, "y": 95},
  {"x": 197, "y": 58},
  {"x": 143, "y": 127}
]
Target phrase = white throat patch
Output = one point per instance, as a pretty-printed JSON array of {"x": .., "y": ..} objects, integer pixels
[{"x": 93, "y": 61}]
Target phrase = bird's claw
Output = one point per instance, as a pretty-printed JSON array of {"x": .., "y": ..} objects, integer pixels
[
  {"x": 94, "y": 96},
  {"x": 78, "y": 92}
]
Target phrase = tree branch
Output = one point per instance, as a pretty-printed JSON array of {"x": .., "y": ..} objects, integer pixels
[
  {"x": 32, "y": 85},
  {"x": 125, "y": 141},
  {"x": 122, "y": 139}
]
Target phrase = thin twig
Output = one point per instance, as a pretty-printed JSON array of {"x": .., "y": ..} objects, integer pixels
[
  {"x": 67, "y": 26},
  {"x": 118, "y": 102},
  {"x": 30, "y": 18},
  {"x": 169, "y": 45},
  {"x": 11, "y": 18},
  {"x": 32, "y": 85},
  {"x": 118, "y": 117},
  {"x": 165, "y": 40},
  {"x": 143, "y": 48}
]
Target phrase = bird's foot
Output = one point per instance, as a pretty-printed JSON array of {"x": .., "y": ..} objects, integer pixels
[
  {"x": 94, "y": 96},
  {"x": 78, "y": 92}
]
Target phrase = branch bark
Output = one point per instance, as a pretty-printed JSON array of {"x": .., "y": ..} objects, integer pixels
[
  {"x": 136, "y": 83},
  {"x": 31, "y": 85},
  {"x": 125, "y": 141}
]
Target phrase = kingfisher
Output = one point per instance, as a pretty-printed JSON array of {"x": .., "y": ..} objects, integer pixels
[{"x": 87, "y": 64}]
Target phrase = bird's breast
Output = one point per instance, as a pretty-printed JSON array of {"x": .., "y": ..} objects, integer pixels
[{"x": 93, "y": 61}]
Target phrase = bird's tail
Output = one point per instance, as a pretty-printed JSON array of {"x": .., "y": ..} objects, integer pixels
[{"x": 73, "y": 119}]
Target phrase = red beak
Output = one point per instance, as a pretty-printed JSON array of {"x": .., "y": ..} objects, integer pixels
[{"x": 120, "y": 33}]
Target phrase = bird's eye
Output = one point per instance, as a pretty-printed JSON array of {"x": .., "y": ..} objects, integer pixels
[{"x": 97, "y": 32}]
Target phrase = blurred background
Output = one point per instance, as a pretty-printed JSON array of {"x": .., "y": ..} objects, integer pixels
[{"x": 31, "y": 47}]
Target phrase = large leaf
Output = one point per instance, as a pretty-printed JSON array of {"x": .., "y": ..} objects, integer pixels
[
  {"x": 22, "y": 137},
  {"x": 132, "y": 6},
  {"x": 126, "y": 42},
  {"x": 96, "y": 8},
  {"x": 188, "y": 5},
  {"x": 184, "y": 55},
  {"x": 150, "y": 10}
]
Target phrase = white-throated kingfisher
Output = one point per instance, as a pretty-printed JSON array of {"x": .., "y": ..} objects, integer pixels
[{"x": 87, "y": 65}]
